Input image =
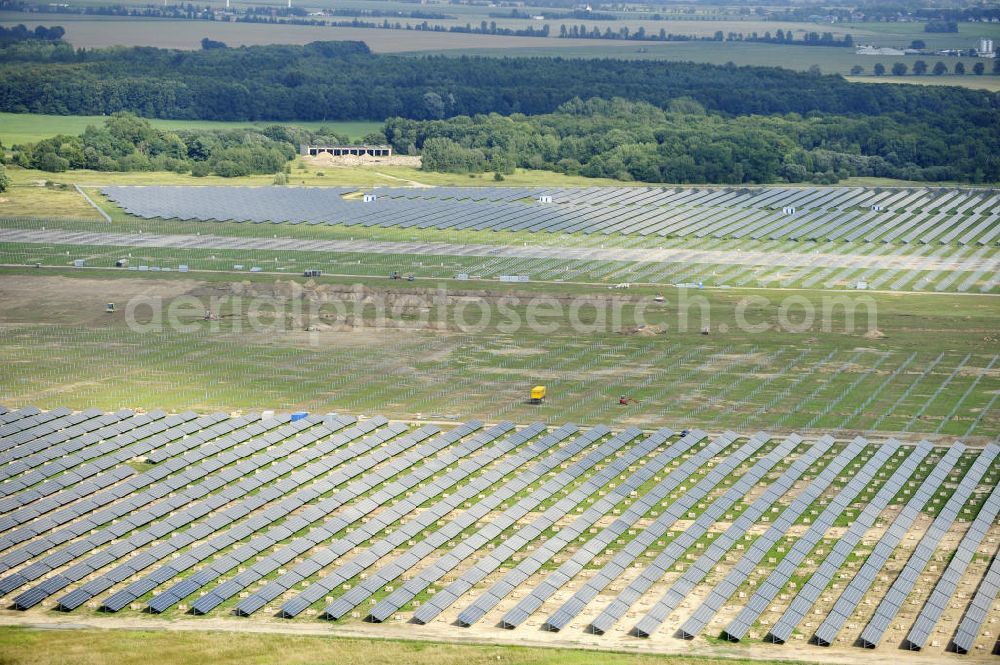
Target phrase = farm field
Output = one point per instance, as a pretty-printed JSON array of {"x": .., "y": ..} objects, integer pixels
[
  {"x": 85, "y": 32},
  {"x": 991, "y": 83},
  {"x": 17, "y": 128},
  {"x": 92, "y": 32},
  {"x": 801, "y": 58}
]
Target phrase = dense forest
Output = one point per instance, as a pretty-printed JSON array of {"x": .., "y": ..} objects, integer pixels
[
  {"x": 684, "y": 144},
  {"x": 344, "y": 81},
  {"x": 682, "y": 122}
]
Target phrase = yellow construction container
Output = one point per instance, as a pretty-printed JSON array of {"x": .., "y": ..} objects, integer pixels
[{"x": 537, "y": 394}]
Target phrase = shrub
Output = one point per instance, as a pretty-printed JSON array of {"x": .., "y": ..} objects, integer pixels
[{"x": 200, "y": 169}]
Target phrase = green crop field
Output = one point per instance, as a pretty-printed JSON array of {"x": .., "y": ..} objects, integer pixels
[{"x": 16, "y": 128}]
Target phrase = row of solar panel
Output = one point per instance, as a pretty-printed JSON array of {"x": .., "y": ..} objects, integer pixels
[
  {"x": 696, "y": 572},
  {"x": 487, "y": 503},
  {"x": 896, "y": 199},
  {"x": 761, "y": 545},
  {"x": 703, "y": 215},
  {"x": 842, "y": 549},
  {"x": 862, "y": 581},
  {"x": 901, "y": 587},
  {"x": 766, "y": 592},
  {"x": 185, "y": 488},
  {"x": 287, "y": 460},
  {"x": 73, "y": 429},
  {"x": 363, "y": 454},
  {"x": 597, "y": 544},
  {"x": 946, "y": 585},
  {"x": 354, "y": 596},
  {"x": 620, "y": 561},
  {"x": 306, "y": 465},
  {"x": 55, "y": 498},
  {"x": 216, "y": 425},
  {"x": 127, "y": 499},
  {"x": 477, "y": 486},
  {"x": 719, "y": 222},
  {"x": 276, "y": 534},
  {"x": 669, "y": 555},
  {"x": 578, "y": 498}
]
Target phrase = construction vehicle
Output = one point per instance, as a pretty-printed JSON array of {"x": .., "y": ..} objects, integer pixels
[{"x": 537, "y": 395}]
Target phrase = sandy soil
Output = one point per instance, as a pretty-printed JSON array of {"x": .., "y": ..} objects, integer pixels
[{"x": 80, "y": 300}]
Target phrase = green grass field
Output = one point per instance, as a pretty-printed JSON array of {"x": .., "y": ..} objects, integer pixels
[
  {"x": 94, "y": 647},
  {"x": 18, "y": 128},
  {"x": 812, "y": 379}
]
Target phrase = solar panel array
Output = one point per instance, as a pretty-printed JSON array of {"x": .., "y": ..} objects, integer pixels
[
  {"x": 865, "y": 577},
  {"x": 907, "y": 578},
  {"x": 817, "y": 583},
  {"x": 978, "y": 610},
  {"x": 481, "y": 525},
  {"x": 965, "y": 217},
  {"x": 760, "y": 546},
  {"x": 675, "y": 550},
  {"x": 697, "y": 571},
  {"x": 946, "y": 585},
  {"x": 740, "y": 626},
  {"x": 618, "y": 564}
]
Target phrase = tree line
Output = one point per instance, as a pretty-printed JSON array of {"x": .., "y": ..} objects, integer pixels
[
  {"x": 344, "y": 81},
  {"x": 920, "y": 68},
  {"x": 615, "y": 138},
  {"x": 684, "y": 144},
  {"x": 125, "y": 142},
  {"x": 20, "y": 33}
]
